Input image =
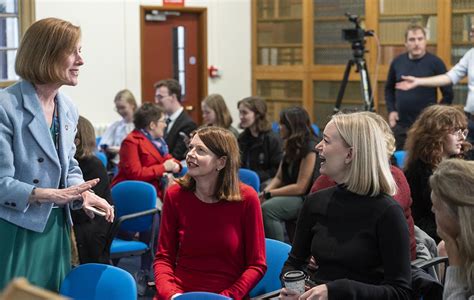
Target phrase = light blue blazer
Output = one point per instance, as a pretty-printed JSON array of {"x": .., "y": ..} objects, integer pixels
[{"x": 28, "y": 156}]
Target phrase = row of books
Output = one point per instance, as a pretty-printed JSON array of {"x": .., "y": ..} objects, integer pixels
[
  {"x": 280, "y": 56},
  {"x": 408, "y": 6},
  {"x": 462, "y": 4},
  {"x": 393, "y": 30},
  {"x": 458, "y": 52},
  {"x": 274, "y": 33},
  {"x": 330, "y": 32},
  {"x": 332, "y": 56},
  {"x": 279, "y": 8},
  {"x": 461, "y": 27},
  {"x": 460, "y": 94},
  {"x": 335, "y": 8},
  {"x": 280, "y": 89}
]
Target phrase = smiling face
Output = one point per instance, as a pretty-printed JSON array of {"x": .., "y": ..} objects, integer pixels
[
  {"x": 208, "y": 114},
  {"x": 201, "y": 161},
  {"x": 247, "y": 117},
  {"x": 157, "y": 128},
  {"x": 335, "y": 155},
  {"x": 71, "y": 66},
  {"x": 124, "y": 109}
]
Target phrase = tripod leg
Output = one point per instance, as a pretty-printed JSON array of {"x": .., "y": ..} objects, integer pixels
[
  {"x": 342, "y": 88},
  {"x": 366, "y": 88}
]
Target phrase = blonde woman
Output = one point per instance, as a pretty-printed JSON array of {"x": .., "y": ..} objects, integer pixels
[
  {"x": 357, "y": 232},
  {"x": 216, "y": 113},
  {"x": 452, "y": 186}
]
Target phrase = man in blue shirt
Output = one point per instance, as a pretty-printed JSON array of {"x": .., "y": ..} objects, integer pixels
[{"x": 404, "y": 106}]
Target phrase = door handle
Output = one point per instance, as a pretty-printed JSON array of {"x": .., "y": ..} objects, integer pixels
[{"x": 189, "y": 108}]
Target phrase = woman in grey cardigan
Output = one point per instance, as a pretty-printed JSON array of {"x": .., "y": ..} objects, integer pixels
[{"x": 452, "y": 193}]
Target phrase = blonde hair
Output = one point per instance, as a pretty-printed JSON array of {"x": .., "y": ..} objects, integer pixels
[
  {"x": 386, "y": 130},
  {"x": 43, "y": 49},
  {"x": 222, "y": 143},
  {"x": 453, "y": 183},
  {"x": 369, "y": 172},
  {"x": 217, "y": 104},
  {"x": 128, "y": 97}
]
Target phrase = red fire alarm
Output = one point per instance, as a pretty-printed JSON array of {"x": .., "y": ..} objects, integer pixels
[{"x": 213, "y": 71}]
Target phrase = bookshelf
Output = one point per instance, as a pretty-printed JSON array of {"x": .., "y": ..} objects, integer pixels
[{"x": 299, "y": 57}]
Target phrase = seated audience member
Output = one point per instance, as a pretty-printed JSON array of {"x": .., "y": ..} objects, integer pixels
[
  {"x": 260, "y": 147},
  {"x": 402, "y": 195},
  {"x": 144, "y": 153},
  {"x": 283, "y": 197},
  {"x": 211, "y": 236},
  {"x": 179, "y": 123},
  {"x": 111, "y": 140},
  {"x": 90, "y": 233},
  {"x": 144, "y": 156},
  {"x": 438, "y": 133},
  {"x": 452, "y": 185},
  {"x": 216, "y": 113},
  {"x": 355, "y": 230}
]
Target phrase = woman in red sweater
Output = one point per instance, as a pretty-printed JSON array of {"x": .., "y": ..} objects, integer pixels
[
  {"x": 402, "y": 196},
  {"x": 211, "y": 234}
]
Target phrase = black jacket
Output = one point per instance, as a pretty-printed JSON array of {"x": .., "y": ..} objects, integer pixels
[
  {"x": 175, "y": 141},
  {"x": 261, "y": 154}
]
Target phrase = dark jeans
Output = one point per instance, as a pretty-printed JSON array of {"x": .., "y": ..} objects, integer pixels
[{"x": 400, "y": 133}]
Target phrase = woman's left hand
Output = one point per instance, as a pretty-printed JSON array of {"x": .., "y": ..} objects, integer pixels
[
  {"x": 451, "y": 246},
  {"x": 319, "y": 292},
  {"x": 91, "y": 199}
]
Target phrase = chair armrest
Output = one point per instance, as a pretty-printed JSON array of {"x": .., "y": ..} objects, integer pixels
[
  {"x": 432, "y": 262},
  {"x": 269, "y": 295}
]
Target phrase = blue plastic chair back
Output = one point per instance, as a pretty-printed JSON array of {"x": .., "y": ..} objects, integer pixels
[
  {"x": 316, "y": 129},
  {"x": 275, "y": 127},
  {"x": 97, "y": 141},
  {"x": 249, "y": 177},
  {"x": 130, "y": 197},
  {"x": 400, "y": 158},
  {"x": 99, "y": 281},
  {"x": 201, "y": 296},
  {"x": 102, "y": 157},
  {"x": 277, "y": 253}
]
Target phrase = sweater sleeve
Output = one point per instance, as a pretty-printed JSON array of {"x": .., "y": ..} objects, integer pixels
[
  {"x": 254, "y": 238},
  {"x": 165, "y": 258},
  {"x": 132, "y": 167},
  {"x": 459, "y": 71},
  {"x": 392, "y": 233},
  {"x": 446, "y": 91},
  {"x": 390, "y": 89},
  {"x": 455, "y": 287}
]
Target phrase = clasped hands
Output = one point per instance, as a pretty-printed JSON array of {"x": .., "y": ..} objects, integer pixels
[{"x": 319, "y": 292}]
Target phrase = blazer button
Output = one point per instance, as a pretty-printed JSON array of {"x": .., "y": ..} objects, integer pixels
[
  {"x": 13, "y": 204},
  {"x": 7, "y": 203},
  {"x": 36, "y": 181},
  {"x": 40, "y": 159}
]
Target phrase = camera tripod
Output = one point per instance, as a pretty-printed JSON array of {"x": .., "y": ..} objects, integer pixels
[{"x": 365, "y": 87}]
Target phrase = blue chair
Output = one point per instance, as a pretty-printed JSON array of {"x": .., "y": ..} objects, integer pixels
[
  {"x": 316, "y": 129},
  {"x": 201, "y": 296},
  {"x": 98, "y": 281},
  {"x": 97, "y": 141},
  {"x": 135, "y": 207},
  {"x": 400, "y": 158},
  {"x": 277, "y": 253},
  {"x": 275, "y": 127},
  {"x": 249, "y": 177},
  {"x": 183, "y": 172},
  {"x": 102, "y": 157}
]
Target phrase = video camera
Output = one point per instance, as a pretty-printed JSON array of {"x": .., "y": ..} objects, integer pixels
[{"x": 356, "y": 34}]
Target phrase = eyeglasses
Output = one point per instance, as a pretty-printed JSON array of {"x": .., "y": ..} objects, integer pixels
[
  {"x": 160, "y": 97},
  {"x": 461, "y": 133}
]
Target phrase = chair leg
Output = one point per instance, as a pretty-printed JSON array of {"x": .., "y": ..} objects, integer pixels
[{"x": 115, "y": 261}]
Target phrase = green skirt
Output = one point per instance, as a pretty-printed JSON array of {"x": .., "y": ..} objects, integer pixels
[{"x": 43, "y": 258}]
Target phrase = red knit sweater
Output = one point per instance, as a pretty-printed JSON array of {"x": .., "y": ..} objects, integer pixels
[
  {"x": 217, "y": 247},
  {"x": 403, "y": 197}
]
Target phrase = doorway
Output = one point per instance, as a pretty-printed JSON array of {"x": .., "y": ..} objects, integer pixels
[{"x": 174, "y": 45}]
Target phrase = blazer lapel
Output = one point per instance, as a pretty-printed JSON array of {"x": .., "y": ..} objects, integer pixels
[
  {"x": 67, "y": 130},
  {"x": 38, "y": 126},
  {"x": 173, "y": 133},
  {"x": 150, "y": 148}
]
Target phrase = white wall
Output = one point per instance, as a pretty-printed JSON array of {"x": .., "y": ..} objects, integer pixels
[{"x": 111, "y": 49}]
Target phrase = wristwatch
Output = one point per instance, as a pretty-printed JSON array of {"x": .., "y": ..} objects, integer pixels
[{"x": 267, "y": 195}]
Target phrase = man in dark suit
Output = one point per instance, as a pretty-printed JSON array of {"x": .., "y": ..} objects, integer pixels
[{"x": 168, "y": 95}]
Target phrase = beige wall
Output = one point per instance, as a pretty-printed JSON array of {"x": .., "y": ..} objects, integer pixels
[{"x": 111, "y": 49}]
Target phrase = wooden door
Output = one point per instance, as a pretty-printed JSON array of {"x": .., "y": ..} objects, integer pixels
[{"x": 174, "y": 46}]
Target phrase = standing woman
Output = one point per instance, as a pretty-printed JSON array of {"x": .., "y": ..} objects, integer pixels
[
  {"x": 39, "y": 177},
  {"x": 355, "y": 230},
  {"x": 216, "y": 113},
  {"x": 126, "y": 106},
  {"x": 284, "y": 195},
  {"x": 260, "y": 147},
  {"x": 438, "y": 133},
  {"x": 453, "y": 205},
  {"x": 211, "y": 235}
]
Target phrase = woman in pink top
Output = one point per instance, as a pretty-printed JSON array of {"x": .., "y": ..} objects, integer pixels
[{"x": 211, "y": 236}]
